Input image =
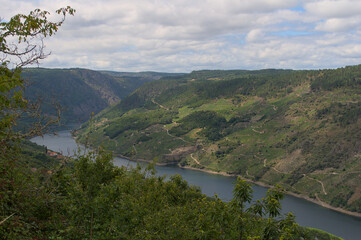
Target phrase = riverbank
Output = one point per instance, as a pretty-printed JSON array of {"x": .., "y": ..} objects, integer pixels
[
  {"x": 308, "y": 213},
  {"x": 145, "y": 161},
  {"x": 262, "y": 184}
]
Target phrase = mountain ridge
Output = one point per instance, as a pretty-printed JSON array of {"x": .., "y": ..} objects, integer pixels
[{"x": 80, "y": 92}]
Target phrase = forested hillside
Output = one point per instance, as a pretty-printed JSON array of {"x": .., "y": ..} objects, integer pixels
[
  {"x": 80, "y": 92},
  {"x": 301, "y": 129}
]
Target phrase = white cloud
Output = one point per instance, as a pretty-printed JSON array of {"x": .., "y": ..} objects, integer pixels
[
  {"x": 334, "y": 8},
  {"x": 339, "y": 24},
  {"x": 183, "y": 35},
  {"x": 255, "y": 35}
]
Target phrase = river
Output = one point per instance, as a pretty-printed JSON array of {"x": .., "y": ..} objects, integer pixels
[{"x": 307, "y": 214}]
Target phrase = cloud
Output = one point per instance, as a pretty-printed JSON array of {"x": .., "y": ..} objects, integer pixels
[
  {"x": 334, "y": 8},
  {"x": 339, "y": 24},
  {"x": 255, "y": 35},
  {"x": 184, "y": 35}
]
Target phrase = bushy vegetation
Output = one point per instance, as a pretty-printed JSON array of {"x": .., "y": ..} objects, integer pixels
[
  {"x": 35, "y": 156},
  {"x": 344, "y": 77},
  {"x": 275, "y": 126},
  {"x": 211, "y": 123},
  {"x": 95, "y": 200},
  {"x": 138, "y": 121}
]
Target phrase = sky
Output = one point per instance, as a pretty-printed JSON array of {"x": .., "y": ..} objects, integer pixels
[{"x": 187, "y": 35}]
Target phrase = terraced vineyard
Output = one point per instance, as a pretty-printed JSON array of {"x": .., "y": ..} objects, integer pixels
[{"x": 300, "y": 129}]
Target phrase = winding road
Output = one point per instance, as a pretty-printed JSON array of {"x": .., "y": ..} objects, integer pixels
[{"x": 323, "y": 187}]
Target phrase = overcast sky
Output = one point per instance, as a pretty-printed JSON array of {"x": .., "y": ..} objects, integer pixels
[{"x": 186, "y": 35}]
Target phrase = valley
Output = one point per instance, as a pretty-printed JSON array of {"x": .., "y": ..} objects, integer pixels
[
  {"x": 207, "y": 154},
  {"x": 299, "y": 129},
  {"x": 80, "y": 93}
]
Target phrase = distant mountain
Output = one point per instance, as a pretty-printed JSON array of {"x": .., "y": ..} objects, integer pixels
[
  {"x": 300, "y": 129},
  {"x": 81, "y": 92},
  {"x": 144, "y": 76}
]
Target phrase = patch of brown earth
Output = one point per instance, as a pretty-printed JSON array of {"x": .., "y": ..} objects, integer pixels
[
  {"x": 154, "y": 128},
  {"x": 291, "y": 162},
  {"x": 212, "y": 148},
  {"x": 328, "y": 171},
  {"x": 102, "y": 122},
  {"x": 302, "y": 89},
  {"x": 194, "y": 133},
  {"x": 355, "y": 196},
  {"x": 178, "y": 153}
]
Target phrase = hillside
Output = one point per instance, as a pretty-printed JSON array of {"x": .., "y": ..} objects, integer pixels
[
  {"x": 140, "y": 76},
  {"x": 81, "y": 92},
  {"x": 44, "y": 195},
  {"x": 300, "y": 129}
]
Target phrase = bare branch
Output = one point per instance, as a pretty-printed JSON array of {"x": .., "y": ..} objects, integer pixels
[{"x": 6, "y": 218}]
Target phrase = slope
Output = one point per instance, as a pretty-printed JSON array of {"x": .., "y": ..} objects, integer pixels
[
  {"x": 300, "y": 129},
  {"x": 79, "y": 92}
]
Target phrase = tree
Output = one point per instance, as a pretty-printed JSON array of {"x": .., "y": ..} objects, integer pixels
[
  {"x": 262, "y": 220},
  {"x": 21, "y": 44}
]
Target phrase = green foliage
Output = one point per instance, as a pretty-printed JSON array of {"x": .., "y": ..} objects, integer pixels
[
  {"x": 35, "y": 156},
  {"x": 94, "y": 200},
  {"x": 344, "y": 77},
  {"x": 11, "y": 101},
  {"x": 318, "y": 234},
  {"x": 27, "y": 26},
  {"x": 211, "y": 123},
  {"x": 138, "y": 121},
  {"x": 26, "y": 30},
  {"x": 242, "y": 193},
  {"x": 22, "y": 199},
  {"x": 270, "y": 227},
  {"x": 268, "y": 125}
]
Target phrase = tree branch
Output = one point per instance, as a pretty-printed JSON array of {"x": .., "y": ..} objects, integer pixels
[{"x": 6, "y": 218}]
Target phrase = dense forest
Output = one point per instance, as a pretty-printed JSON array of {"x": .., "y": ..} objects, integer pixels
[
  {"x": 300, "y": 129},
  {"x": 88, "y": 198}
]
